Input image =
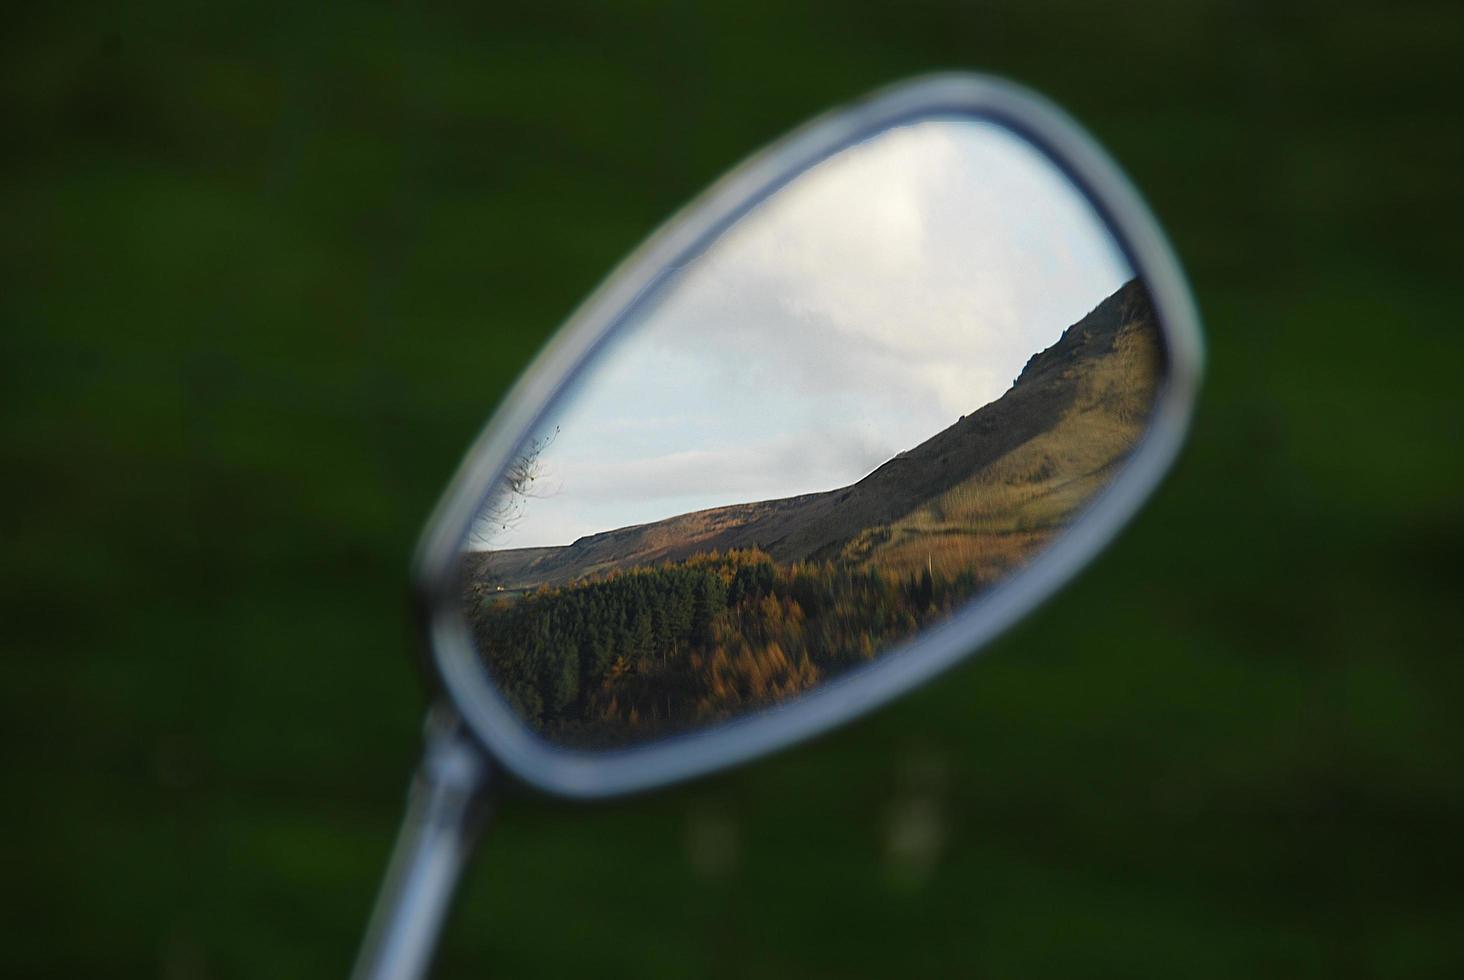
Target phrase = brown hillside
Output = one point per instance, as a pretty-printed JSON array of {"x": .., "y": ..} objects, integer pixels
[{"x": 985, "y": 492}]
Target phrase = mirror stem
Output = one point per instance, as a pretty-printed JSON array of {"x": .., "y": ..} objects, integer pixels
[{"x": 446, "y": 808}]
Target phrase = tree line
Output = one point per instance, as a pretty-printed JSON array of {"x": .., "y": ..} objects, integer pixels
[{"x": 653, "y": 650}]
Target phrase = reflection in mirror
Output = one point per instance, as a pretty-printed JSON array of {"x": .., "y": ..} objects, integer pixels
[{"x": 871, "y": 401}]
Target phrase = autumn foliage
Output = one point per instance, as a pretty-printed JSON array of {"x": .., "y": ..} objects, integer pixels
[{"x": 651, "y": 651}]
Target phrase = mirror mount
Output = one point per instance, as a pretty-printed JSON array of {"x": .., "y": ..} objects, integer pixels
[
  {"x": 447, "y": 806},
  {"x": 1081, "y": 376}
]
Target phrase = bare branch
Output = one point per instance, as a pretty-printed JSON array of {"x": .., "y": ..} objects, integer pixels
[{"x": 521, "y": 482}]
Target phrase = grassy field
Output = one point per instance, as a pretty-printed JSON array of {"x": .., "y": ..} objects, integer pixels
[{"x": 268, "y": 267}]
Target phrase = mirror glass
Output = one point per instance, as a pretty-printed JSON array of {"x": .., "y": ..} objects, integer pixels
[{"x": 871, "y": 401}]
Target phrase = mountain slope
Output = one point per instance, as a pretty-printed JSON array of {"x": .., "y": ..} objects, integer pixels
[
  {"x": 1102, "y": 378},
  {"x": 985, "y": 492}
]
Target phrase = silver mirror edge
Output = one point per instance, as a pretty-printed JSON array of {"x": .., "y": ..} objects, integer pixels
[{"x": 451, "y": 656}]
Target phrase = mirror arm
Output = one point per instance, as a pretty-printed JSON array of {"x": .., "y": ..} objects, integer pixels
[{"x": 446, "y": 808}]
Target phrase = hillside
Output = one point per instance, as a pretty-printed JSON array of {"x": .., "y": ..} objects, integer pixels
[{"x": 982, "y": 494}]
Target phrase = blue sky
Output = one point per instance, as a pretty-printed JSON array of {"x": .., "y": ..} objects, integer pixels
[{"x": 895, "y": 287}]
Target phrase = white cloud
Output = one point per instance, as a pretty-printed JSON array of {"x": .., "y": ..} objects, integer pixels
[{"x": 900, "y": 284}]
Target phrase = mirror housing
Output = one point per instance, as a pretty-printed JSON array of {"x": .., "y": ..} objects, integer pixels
[{"x": 457, "y": 665}]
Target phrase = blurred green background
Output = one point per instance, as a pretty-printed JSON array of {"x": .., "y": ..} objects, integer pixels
[{"x": 269, "y": 266}]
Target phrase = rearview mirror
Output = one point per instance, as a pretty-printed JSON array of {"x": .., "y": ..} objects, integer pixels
[{"x": 867, "y": 402}]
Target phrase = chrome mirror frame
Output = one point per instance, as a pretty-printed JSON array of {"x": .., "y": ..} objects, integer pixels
[{"x": 456, "y": 665}]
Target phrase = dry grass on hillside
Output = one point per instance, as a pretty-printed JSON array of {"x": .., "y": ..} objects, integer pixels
[{"x": 1004, "y": 514}]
